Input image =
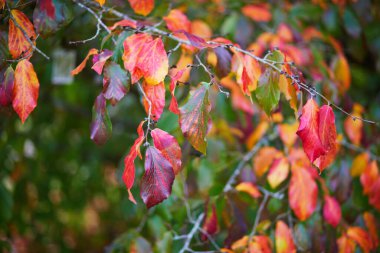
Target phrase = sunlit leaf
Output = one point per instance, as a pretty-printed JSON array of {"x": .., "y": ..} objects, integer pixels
[
  {"x": 156, "y": 96},
  {"x": 278, "y": 172},
  {"x": 284, "y": 239},
  {"x": 142, "y": 7}
]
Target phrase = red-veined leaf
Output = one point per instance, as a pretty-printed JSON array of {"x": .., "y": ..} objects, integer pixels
[
  {"x": 25, "y": 91},
  {"x": 157, "y": 181},
  {"x": 308, "y": 131},
  {"x": 115, "y": 82},
  {"x": 99, "y": 60},
  {"x": 18, "y": 45},
  {"x": 101, "y": 127},
  {"x": 331, "y": 211},
  {"x": 169, "y": 148},
  {"x": 81, "y": 66},
  {"x": 156, "y": 96},
  {"x": 129, "y": 161},
  {"x": 6, "y": 87},
  {"x": 283, "y": 238},
  {"x": 194, "y": 115},
  {"x": 142, "y": 7},
  {"x": 303, "y": 193}
]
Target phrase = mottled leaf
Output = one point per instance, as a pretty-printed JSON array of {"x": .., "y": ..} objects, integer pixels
[
  {"x": 19, "y": 46},
  {"x": 268, "y": 92},
  {"x": 101, "y": 127},
  {"x": 6, "y": 87},
  {"x": 157, "y": 181},
  {"x": 169, "y": 148},
  {"x": 25, "y": 91},
  {"x": 115, "y": 82},
  {"x": 194, "y": 115},
  {"x": 156, "y": 96},
  {"x": 99, "y": 60}
]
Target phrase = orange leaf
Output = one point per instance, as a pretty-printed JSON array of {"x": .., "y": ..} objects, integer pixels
[
  {"x": 353, "y": 128},
  {"x": 370, "y": 223},
  {"x": 25, "y": 91},
  {"x": 169, "y": 148},
  {"x": 308, "y": 131},
  {"x": 264, "y": 159},
  {"x": 142, "y": 7},
  {"x": 124, "y": 23},
  {"x": 331, "y": 211},
  {"x": 278, "y": 172},
  {"x": 374, "y": 195},
  {"x": 258, "y": 12},
  {"x": 288, "y": 133},
  {"x": 81, "y": 66},
  {"x": 359, "y": 164},
  {"x": 249, "y": 188},
  {"x": 101, "y": 2},
  {"x": 361, "y": 237},
  {"x": 342, "y": 73},
  {"x": 303, "y": 193},
  {"x": 2, "y": 4},
  {"x": 129, "y": 166},
  {"x": 257, "y": 134},
  {"x": 369, "y": 176},
  {"x": 156, "y": 95},
  {"x": 345, "y": 244},
  {"x": 283, "y": 238},
  {"x": 145, "y": 57},
  {"x": 19, "y": 46},
  {"x": 177, "y": 21}
]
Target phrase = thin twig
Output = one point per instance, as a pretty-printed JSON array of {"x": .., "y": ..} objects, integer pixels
[
  {"x": 149, "y": 112},
  {"x": 353, "y": 147},
  {"x": 257, "y": 218},
  {"x": 191, "y": 234},
  {"x": 91, "y": 38}
]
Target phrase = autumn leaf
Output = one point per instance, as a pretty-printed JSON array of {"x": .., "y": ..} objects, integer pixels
[
  {"x": 303, "y": 193},
  {"x": 194, "y": 116},
  {"x": 6, "y": 87},
  {"x": 264, "y": 159},
  {"x": 169, "y": 148},
  {"x": 308, "y": 131},
  {"x": 115, "y": 82},
  {"x": 278, "y": 172},
  {"x": 177, "y": 21},
  {"x": 371, "y": 224},
  {"x": 352, "y": 126},
  {"x": 250, "y": 74},
  {"x": 361, "y": 237},
  {"x": 210, "y": 222},
  {"x": 346, "y": 244},
  {"x": 156, "y": 96},
  {"x": 374, "y": 195},
  {"x": 101, "y": 2},
  {"x": 223, "y": 64},
  {"x": 257, "y": 12},
  {"x": 101, "y": 127},
  {"x": 369, "y": 177},
  {"x": 124, "y": 23},
  {"x": 267, "y": 93},
  {"x": 129, "y": 161},
  {"x": 359, "y": 164},
  {"x": 342, "y": 73},
  {"x": 145, "y": 57},
  {"x": 99, "y": 60},
  {"x": 249, "y": 188},
  {"x": 18, "y": 45},
  {"x": 174, "y": 78},
  {"x": 327, "y": 136},
  {"x": 25, "y": 91},
  {"x": 81, "y": 66},
  {"x": 284, "y": 239},
  {"x": 142, "y": 7},
  {"x": 331, "y": 211},
  {"x": 288, "y": 133},
  {"x": 157, "y": 181},
  {"x": 2, "y": 4}
]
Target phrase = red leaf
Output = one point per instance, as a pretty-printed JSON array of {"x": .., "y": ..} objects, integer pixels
[
  {"x": 173, "y": 107},
  {"x": 308, "y": 131},
  {"x": 258, "y": 12},
  {"x": 115, "y": 84},
  {"x": 169, "y": 148},
  {"x": 99, "y": 60},
  {"x": 142, "y": 7},
  {"x": 19, "y": 46},
  {"x": 6, "y": 88},
  {"x": 129, "y": 165},
  {"x": 345, "y": 244},
  {"x": 303, "y": 193},
  {"x": 193, "y": 117},
  {"x": 210, "y": 223},
  {"x": 361, "y": 237},
  {"x": 331, "y": 211},
  {"x": 283, "y": 239},
  {"x": 327, "y": 135},
  {"x": 156, "y": 96},
  {"x": 25, "y": 92},
  {"x": 370, "y": 223},
  {"x": 374, "y": 195},
  {"x": 145, "y": 57},
  {"x": 124, "y": 23},
  {"x": 101, "y": 128},
  {"x": 369, "y": 177},
  {"x": 48, "y": 7},
  {"x": 177, "y": 21},
  {"x": 157, "y": 181},
  {"x": 81, "y": 66}
]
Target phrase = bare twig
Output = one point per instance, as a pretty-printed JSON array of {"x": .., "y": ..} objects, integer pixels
[
  {"x": 190, "y": 236},
  {"x": 353, "y": 147},
  {"x": 91, "y": 38},
  {"x": 257, "y": 218},
  {"x": 149, "y": 119}
]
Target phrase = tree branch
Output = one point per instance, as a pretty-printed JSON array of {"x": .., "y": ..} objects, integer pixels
[{"x": 190, "y": 235}]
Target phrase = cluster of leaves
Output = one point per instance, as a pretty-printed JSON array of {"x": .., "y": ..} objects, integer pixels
[{"x": 134, "y": 55}]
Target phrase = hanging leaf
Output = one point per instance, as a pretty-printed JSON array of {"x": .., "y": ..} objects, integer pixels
[
  {"x": 341, "y": 71},
  {"x": 129, "y": 162},
  {"x": 354, "y": 127},
  {"x": 99, "y": 60},
  {"x": 283, "y": 238},
  {"x": 81, "y": 66},
  {"x": 173, "y": 107},
  {"x": 115, "y": 83},
  {"x": 156, "y": 96},
  {"x": 145, "y": 57},
  {"x": 268, "y": 92},
  {"x": 169, "y": 148},
  {"x": 6, "y": 87},
  {"x": 142, "y": 7},
  {"x": 308, "y": 131},
  {"x": 19, "y": 46},
  {"x": 51, "y": 15},
  {"x": 194, "y": 116},
  {"x": 210, "y": 222},
  {"x": 157, "y": 181},
  {"x": 331, "y": 211},
  {"x": 303, "y": 193},
  {"x": 25, "y": 91},
  {"x": 101, "y": 127}
]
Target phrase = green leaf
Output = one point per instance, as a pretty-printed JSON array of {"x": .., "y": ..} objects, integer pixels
[
  {"x": 194, "y": 115},
  {"x": 268, "y": 92},
  {"x": 276, "y": 56}
]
